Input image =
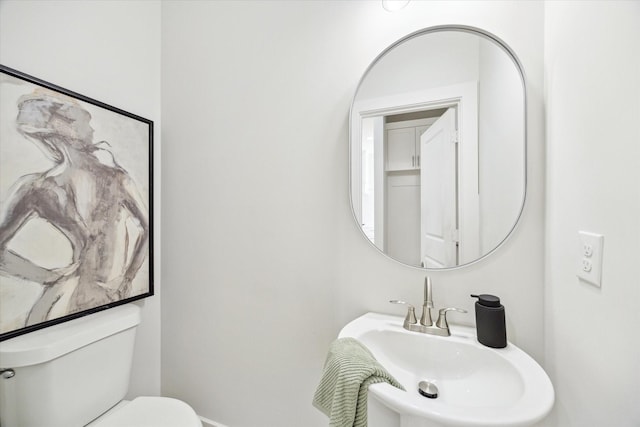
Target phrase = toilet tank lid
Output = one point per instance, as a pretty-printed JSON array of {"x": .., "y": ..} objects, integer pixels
[
  {"x": 49, "y": 343},
  {"x": 151, "y": 411}
]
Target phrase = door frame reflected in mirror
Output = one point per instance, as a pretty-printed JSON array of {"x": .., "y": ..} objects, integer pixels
[{"x": 464, "y": 99}]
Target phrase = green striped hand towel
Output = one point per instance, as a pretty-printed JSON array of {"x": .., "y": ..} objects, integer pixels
[{"x": 348, "y": 371}]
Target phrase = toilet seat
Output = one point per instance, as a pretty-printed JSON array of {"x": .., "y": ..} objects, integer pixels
[{"x": 147, "y": 411}]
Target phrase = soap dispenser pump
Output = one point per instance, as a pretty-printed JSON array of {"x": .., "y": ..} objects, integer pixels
[{"x": 490, "y": 323}]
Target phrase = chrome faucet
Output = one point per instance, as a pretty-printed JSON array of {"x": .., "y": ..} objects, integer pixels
[{"x": 426, "y": 325}]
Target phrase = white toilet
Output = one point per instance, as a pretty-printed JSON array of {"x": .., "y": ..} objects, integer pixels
[{"x": 77, "y": 374}]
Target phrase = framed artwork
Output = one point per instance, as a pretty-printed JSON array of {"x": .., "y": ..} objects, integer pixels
[{"x": 76, "y": 205}]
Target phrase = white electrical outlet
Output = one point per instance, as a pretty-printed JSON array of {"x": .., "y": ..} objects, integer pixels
[{"x": 590, "y": 261}]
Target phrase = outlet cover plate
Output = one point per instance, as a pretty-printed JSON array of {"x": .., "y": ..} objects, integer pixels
[{"x": 589, "y": 268}]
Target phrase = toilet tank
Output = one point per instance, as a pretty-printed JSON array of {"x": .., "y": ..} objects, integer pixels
[{"x": 68, "y": 374}]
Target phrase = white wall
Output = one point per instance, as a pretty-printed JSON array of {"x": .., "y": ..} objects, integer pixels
[
  {"x": 439, "y": 59},
  {"x": 501, "y": 152},
  {"x": 592, "y": 80},
  {"x": 262, "y": 261},
  {"x": 109, "y": 51}
]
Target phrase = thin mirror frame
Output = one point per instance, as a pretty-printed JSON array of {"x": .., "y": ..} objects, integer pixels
[{"x": 440, "y": 28}]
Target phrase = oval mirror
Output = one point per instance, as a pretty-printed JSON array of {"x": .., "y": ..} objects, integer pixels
[{"x": 438, "y": 147}]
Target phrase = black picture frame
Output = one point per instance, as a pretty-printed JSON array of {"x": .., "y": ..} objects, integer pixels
[{"x": 76, "y": 216}]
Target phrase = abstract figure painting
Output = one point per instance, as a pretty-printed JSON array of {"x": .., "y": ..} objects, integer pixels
[{"x": 76, "y": 231}]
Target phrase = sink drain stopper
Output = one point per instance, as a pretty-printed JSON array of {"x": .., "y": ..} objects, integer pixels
[{"x": 428, "y": 389}]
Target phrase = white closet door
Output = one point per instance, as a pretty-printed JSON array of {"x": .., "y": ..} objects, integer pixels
[{"x": 438, "y": 193}]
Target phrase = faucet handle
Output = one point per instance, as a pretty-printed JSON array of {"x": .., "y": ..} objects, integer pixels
[
  {"x": 442, "y": 316},
  {"x": 410, "y": 319}
]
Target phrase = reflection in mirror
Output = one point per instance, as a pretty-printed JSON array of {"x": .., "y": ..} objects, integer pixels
[{"x": 438, "y": 147}]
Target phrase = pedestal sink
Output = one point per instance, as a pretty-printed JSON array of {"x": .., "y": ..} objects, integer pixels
[{"x": 477, "y": 385}]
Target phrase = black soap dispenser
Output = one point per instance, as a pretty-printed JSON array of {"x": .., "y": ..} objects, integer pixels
[{"x": 490, "y": 324}]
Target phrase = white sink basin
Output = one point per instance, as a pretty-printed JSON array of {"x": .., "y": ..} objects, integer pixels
[{"x": 477, "y": 385}]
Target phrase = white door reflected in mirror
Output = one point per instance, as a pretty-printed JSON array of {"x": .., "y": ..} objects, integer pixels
[
  {"x": 438, "y": 207},
  {"x": 438, "y": 147}
]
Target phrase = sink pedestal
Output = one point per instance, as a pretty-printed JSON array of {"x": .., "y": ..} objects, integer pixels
[{"x": 381, "y": 416}]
